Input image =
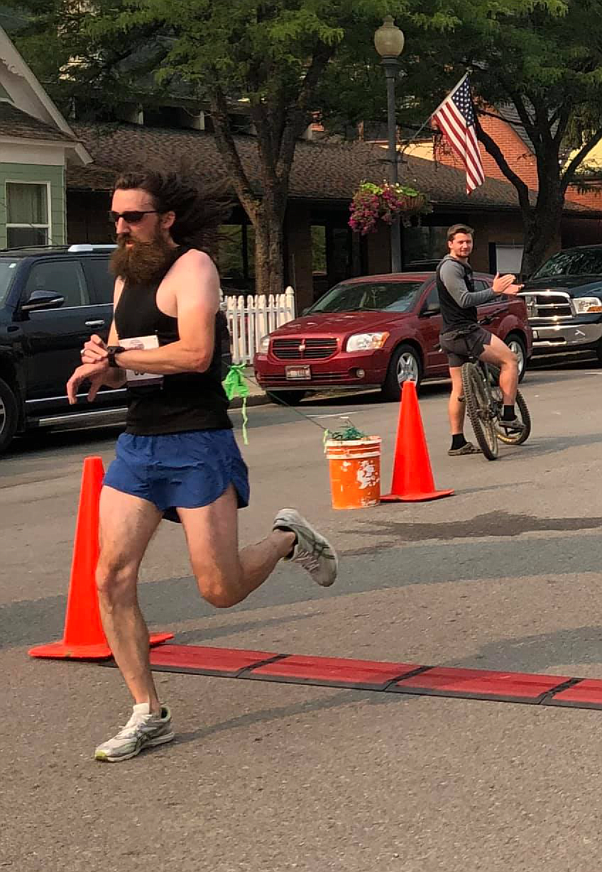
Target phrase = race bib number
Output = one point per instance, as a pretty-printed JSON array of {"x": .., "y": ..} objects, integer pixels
[{"x": 133, "y": 377}]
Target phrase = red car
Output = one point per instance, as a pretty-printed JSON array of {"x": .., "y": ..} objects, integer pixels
[{"x": 376, "y": 331}]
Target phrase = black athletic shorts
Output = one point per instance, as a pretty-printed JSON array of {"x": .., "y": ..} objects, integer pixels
[{"x": 464, "y": 343}]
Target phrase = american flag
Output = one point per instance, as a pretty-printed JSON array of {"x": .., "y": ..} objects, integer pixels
[{"x": 455, "y": 118}]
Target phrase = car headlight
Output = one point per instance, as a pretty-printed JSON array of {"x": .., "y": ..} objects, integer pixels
[
  {"x": 587, "y": 305},
  {"x": 264, "y": 344},
  {"x": 366, "y": 341}
]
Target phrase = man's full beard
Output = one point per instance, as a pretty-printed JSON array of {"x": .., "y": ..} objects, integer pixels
[{"x": 142, "y": 262}]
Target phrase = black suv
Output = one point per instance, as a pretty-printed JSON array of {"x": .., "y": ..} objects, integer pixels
[
  {"x": 564, "y": 302},
  {"x": 51, "y": 301}
]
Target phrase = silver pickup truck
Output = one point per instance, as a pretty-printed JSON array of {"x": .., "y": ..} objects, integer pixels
[{"x": 564, "y": 303}]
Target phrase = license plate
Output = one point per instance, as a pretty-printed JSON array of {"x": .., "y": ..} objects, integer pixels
[{"x": 297, "y": 372}]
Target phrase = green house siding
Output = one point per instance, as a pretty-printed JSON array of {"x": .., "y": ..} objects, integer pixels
[{"x": 53, "y": 175}]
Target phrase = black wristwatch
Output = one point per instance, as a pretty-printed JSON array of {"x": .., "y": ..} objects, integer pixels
[{"x": 112, "y": 351}]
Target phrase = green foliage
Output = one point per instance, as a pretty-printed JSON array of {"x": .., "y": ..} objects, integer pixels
[
  {"x": 285, "y": 58},
  {"x": 543, "y": 56},
  {"x": 255, "y": 50}
]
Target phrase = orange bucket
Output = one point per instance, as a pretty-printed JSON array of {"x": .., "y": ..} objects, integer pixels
[{"x": 354, "y": 472}]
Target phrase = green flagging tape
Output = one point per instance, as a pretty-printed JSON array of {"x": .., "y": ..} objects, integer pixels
[
  {"x": 347, "y": 433},
  {"x": 235, "y": 386}
]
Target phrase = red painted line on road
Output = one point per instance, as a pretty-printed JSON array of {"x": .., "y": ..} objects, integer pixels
[
  {"x": 481, "y": 684},
  {"x": 408, "y": 678},
  {"x": 333, "y": 672},
  {"x": 228, "y": 662},
  {"x": 586, "y": 694}
]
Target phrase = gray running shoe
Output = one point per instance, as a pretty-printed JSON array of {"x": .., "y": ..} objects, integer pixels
[
  {"x": 467, "y": 448},
  {"x": 312, "y": 551},
  {"x": 515, "y": 425},
  {"x": 143, "y": 730}
]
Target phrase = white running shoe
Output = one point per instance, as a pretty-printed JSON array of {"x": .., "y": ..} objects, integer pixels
[
  {"x": 312, "y": 551},
  {"x": 143, "y": 730}
]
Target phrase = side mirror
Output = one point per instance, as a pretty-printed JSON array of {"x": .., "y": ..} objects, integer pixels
[
  {"x": 40, "y": 300},
  {"x": 430, "y": 310}
]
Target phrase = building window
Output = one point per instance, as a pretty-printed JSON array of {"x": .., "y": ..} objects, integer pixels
[
  {"x": 237, "y": 256},
  {"x": 28, "y": 214},
  {"x": 422, "y": 246}
]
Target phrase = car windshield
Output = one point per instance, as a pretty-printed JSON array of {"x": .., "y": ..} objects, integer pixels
[
  {"x": 587, "y": 262},
  {"x": 369, "y": 297},
  {"x": 8, "y": 270}
]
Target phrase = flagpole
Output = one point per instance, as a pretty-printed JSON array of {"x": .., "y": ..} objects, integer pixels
[
  {"x": 451, "y": 94},
  {"x": 420, "y": 129}
]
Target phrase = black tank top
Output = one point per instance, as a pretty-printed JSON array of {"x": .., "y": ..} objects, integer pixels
[{"x": 169, "y": 403}]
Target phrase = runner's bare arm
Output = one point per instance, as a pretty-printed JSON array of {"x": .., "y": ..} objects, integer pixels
[
  {"x": 196, "y": 283},
  {"x": 95, "y": 368},
  {"x": 95, "y": 349}
]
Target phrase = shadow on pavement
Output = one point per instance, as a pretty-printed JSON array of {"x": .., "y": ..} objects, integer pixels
[
  {"x": 539, "y": 447},
  {"x": 498, "y": 524},
  {"x": 342, "y": 698}
]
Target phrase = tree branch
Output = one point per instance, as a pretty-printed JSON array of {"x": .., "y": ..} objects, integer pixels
[
  {"x": 497, "y": 154},
  {"x": 227, "y": 148},
  {"x": 561, "y": 118},
  {"x": 569, "y": 173},
  {"x": 299, "y": 114}
]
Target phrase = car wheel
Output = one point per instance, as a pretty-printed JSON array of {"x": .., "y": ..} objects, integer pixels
[
  {"x": 286, "y": 398},
  {"x": 516, "y": 344},
  {"x": 405, "y": 365},
  {"x": 9, "y": 414}
]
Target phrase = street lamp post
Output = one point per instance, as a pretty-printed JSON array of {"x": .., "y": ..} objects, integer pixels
[{"x": 389, "y": 41}]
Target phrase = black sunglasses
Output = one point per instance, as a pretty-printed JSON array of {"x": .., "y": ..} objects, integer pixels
[{"x": 130, "y": 217}]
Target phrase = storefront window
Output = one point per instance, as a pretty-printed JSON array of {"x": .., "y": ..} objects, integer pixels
[{"x": 422, "y": 244}]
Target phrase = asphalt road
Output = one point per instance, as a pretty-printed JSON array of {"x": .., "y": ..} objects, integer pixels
[{"x": 268, "y": 777}]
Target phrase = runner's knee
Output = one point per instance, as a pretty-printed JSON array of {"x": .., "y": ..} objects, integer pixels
[
  {"x": 218, "y": 590},
  {"x": 116, "y": 582}
]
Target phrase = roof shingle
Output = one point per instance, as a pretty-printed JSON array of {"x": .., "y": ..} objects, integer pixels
[
  {"x": 15, "y": 122},
  {"x": 321, "y": 170}
]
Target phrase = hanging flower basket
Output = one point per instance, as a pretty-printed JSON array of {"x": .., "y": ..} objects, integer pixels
[{"x": 373, "y": 203}]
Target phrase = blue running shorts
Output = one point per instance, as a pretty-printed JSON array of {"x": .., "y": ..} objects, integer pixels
[{"x": 179, "y": 470}]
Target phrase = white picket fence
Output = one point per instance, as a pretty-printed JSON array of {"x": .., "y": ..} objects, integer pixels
[{"x": 250, "y": 318}]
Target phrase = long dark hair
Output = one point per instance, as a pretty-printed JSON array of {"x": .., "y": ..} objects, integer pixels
[{"x": 199, "y": 212}]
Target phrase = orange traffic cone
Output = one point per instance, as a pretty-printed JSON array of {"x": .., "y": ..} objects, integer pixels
[
  {"x": 84, "y": 637},
  {"x": 412, "y": 474}
]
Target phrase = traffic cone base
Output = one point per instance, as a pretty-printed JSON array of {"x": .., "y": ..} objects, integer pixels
[
  {"x": 83, "y": 636},
  {"x": 416, "y": 498},
  {"x": 412, "y": 475},
  {"x": 63, "y": 651}
]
